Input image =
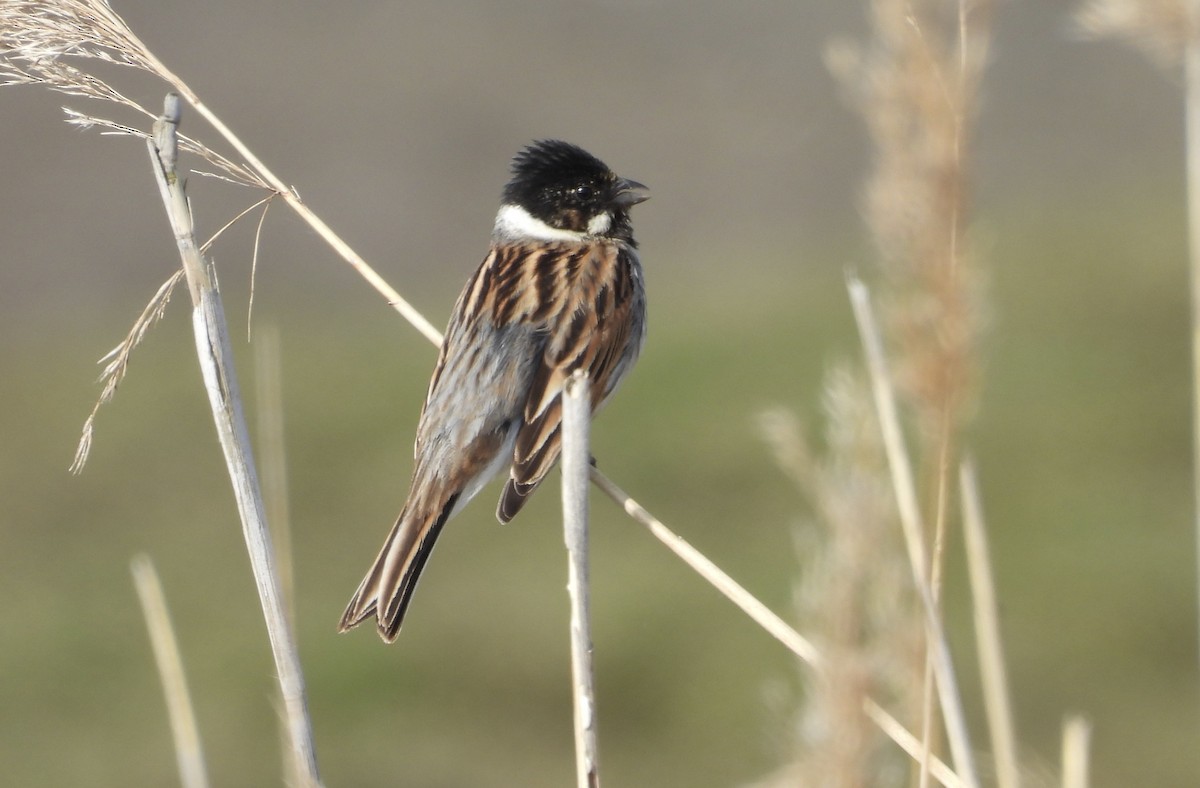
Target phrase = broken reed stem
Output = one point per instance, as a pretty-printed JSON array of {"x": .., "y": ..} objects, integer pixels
[
  {"x": 576, "y": 418},
  {"x": 220, "y": 382},
  {"x": 987, "y": 633},
  {"x": 189, "y": 754},
  {"x": 950, "y": 700}
]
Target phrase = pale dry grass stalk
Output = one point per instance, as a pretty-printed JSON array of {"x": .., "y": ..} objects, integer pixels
[
  {"x": 760, "y": 614},
  {"x": 189, "y": 753},
  {"x": 942, "y": 666},
  {"x": 220, "y": 382},
  {"x": 992, "y": 671},
  {"x": 576, "y": 459},
  {"x": 749, "y": 604},
  {"x": 912, "y": 745}
]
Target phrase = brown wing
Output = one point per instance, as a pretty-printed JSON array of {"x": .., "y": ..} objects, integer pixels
[{"x": 592, "y": 329}]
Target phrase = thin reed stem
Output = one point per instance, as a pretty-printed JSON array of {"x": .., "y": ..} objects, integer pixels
[
  {"x": 987, "y": 633},
  {"x": 911, "y": 745},
  {"x": 941, "y": 505},
  {"x": 189, "y": 754},
  {"x": 910, "y": 519},
  {"x": 220, "y": 381},
  {"x": 576, "y": 419},
  {"x": 775, "y": 626}
]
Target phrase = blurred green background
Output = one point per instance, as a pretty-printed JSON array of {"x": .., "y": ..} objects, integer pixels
[{"x": 396, "y": 123}]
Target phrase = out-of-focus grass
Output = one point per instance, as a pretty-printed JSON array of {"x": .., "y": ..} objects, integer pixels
[{"x": 1081, "y": 443}]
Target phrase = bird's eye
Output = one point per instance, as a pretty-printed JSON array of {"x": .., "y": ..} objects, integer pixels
[{"x": 582, "y": 192}]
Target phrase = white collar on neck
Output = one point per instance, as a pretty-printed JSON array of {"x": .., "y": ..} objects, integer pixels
[{"x": 513, "y": 221}]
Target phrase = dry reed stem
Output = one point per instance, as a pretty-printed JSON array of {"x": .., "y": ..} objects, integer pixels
[
  {"x": 189, "y": 753},
  {"x": 220, "y": 382},
  {"x": 911, "y": 745},
  {"x": 714, "y": 575},
  {"x": 910, "y": 518},
  {"x": 576, "y": 421},
  {"x": 987, "y": 634},
  {"x": 764, "y": 617}
]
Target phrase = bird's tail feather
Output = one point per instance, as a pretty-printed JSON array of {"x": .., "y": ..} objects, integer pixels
[{"x": 388, "y": 586}]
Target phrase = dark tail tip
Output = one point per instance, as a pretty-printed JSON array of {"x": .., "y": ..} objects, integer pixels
[{"x": 355, "y": 614}]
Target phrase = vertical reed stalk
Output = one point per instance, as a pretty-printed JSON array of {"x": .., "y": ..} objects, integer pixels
[
  {"x": 987, "y": 634},
  {"x": 220, "y": 382},
  {"x": 576, "y": 419},
  {"x": 910, "y": 517},
  {"x": 189, "y": 754}
]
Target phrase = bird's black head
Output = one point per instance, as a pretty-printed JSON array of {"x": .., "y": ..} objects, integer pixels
[{"x": 570, "y": 190}]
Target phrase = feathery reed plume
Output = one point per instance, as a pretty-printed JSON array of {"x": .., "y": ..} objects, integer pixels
[
  {"x": 116, "y": 363},
  {"x": 38, "y": 37},
  {"x": 916, "y": 85},
  {"x": 855, "y": 594}
]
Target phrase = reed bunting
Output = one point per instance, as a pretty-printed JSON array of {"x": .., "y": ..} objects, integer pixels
[{"x": 559, "y": 290}]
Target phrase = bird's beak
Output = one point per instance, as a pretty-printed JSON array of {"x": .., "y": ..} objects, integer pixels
[{"x": 627, "y": 193}]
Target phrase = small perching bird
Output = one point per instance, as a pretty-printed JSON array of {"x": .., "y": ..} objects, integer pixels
[{"x": 559, "y": 290}]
